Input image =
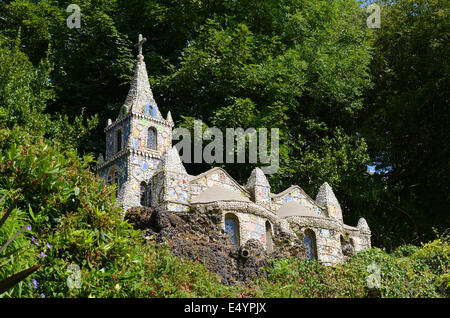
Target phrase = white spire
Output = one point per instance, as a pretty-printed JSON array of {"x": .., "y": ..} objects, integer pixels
[{"x": 140, "y": 96}]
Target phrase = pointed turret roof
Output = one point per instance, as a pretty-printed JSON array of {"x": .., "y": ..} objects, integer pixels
[
  {"x": 362, "y": 224},
  {"x": 169, "y": 117},
  {"x": 171, "y": 161},
  {"x": 257, "y": 178},
  {"x": 326, "y": 196},
  {"x": 140, "y": 96}
]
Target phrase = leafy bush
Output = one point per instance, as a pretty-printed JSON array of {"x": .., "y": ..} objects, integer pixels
[
  {"x": 77, "y": 215},
  {"x": 423, "y": 272}
]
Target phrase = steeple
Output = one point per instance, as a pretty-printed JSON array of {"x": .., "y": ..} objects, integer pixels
[{"x": 140, "y": 96}]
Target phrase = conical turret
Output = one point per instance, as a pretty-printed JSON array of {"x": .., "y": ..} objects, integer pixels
[
  {"x": 326, "y": 198},
  {"x": 259, "y": 188}
]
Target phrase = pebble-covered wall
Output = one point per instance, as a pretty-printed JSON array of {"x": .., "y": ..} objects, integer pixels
[{"x": 250, "y": 227}]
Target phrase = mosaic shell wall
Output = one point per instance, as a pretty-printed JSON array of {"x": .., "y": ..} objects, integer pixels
[
  {"x": 124, "y": 126},
  {"x": 139, "y": 134},
  {"x": 262, "y": 196},
  {"x": 171, "y": 191},
  {"x": 119, "y": 166},
  {"x": 250, "y": 227}
]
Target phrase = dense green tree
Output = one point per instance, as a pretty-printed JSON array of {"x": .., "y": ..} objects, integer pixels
[{"x": 406, "y": 119}]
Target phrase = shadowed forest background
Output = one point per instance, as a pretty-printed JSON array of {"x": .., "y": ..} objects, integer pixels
[{"x": 344, "y": 96}]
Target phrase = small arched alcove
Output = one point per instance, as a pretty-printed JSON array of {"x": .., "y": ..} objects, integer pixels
[
  {"x": 269, "y": 241},
  {"x": 309, "y": 242},
  {"x": 232, "y": 228}
]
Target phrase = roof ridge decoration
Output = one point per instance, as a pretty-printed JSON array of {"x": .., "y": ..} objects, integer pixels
[
  {"x": 257, "y": 178},
  {"x": 140, "y": 96}
]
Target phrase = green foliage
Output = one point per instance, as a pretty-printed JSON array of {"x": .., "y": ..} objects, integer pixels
[
  {"x": 406, "y": 118},
  {"x": 7, "y": 256},
  {"x": 76, "y": 214},
  {"x": 341, "y": 95},
  {"x": 424, "y": 273}
]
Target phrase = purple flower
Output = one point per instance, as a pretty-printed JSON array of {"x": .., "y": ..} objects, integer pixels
[
  {"x": 42, "y": 295},
  {"x": 35, "y": 284},
  {"x": 48, "y": 245},
  {"x": 34, "y": 240},
  {"x": 28, "y": 226},
  {"x": 42, "y": 254}
]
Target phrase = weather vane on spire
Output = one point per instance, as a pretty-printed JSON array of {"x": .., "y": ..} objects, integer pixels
[{"x": 139, "y": 45}]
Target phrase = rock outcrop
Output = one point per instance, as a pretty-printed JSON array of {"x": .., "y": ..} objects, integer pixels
[{"x": 201, "y": 237}]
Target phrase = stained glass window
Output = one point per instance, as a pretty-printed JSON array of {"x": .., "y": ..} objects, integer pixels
[
  {"x": 308, "y": 243},
  {"x": 151, "y": 138},
  {"x": 231, "y": 227}
]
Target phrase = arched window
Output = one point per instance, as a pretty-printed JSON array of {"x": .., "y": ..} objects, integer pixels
[
  {"x": 118, "y": 140},
  {"x": 269, "y": 242},
  {"x": 232, "y": 228},
  {"x": 152, "y": 138},
  {"x": 309, "y": 242},
  {"x": 144, "y": 193}
]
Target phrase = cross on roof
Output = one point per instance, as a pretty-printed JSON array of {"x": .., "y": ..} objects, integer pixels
[{"x": 140, "y": 43}]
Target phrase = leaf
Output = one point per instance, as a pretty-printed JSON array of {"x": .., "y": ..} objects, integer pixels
[
  {"x": 30, "y": 210},
  {"x": 8, "y": 213},
  {"x": 9, "y": 282}
]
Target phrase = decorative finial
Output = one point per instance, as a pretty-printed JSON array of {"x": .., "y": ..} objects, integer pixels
[
  {"x": 169, "y": 117},
  {"x": 141, "y": 41}
]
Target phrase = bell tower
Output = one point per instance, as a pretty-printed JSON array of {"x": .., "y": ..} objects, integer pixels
[{"x": 135, "y": 141}]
